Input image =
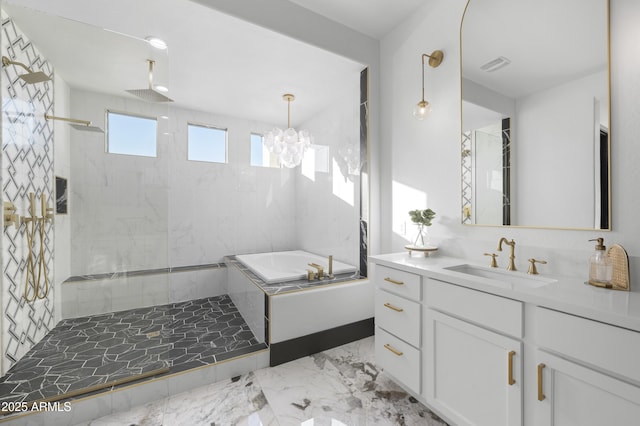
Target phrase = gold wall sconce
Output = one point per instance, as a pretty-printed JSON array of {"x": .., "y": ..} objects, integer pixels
[{"x": 423, "y": 108}]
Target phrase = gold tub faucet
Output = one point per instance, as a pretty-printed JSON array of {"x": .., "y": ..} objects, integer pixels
[
  {"x": 512, "y": 255},
  {"x": 320, "y": 273}
]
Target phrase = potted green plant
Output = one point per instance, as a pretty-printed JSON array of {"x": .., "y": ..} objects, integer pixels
[{"x": 422, "y": 218}]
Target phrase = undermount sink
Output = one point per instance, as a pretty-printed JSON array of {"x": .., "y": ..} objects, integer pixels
[{"x": 502, "y": 276}]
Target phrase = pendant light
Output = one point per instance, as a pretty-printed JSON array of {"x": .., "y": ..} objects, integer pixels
[{"x": 288, "y": 145}]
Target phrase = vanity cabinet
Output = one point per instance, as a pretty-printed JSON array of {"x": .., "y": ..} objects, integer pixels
[
  {"x": 463, "y": 349},
  {"x": 473, "y": 374},
  {"x": 398, "y": 324},
  {"x": 585, "y": 371}
]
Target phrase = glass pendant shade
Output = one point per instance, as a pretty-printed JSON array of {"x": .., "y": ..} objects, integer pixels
[
  {"x": 288, "y": 145},
  {"x": 422, "y": 110}
]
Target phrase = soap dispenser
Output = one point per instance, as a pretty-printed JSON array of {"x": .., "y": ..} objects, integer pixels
[{"x": 600, "y": 267}]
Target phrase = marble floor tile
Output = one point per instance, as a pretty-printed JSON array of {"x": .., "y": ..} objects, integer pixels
[
  {"x": 340, "y": 386},
  {"x": 234, "y": 402}
]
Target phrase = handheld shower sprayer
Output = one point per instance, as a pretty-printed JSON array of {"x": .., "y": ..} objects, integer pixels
[{"x": 36, "y": 286}]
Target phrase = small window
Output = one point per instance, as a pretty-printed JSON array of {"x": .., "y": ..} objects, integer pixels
[
  {"x": 260, "y": 156},
  {"x": 131, "y": 134},
  {"x": 207, "y": 144}
]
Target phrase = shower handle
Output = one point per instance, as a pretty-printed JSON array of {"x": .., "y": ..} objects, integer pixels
[{"x": 47, "y": 212}]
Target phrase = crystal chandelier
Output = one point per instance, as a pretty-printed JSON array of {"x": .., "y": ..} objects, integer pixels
[{"x": 288, "y": 145}]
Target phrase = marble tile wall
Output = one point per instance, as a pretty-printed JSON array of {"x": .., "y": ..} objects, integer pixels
[
  {"x": 328, "y": 203},
  {"x": 135, "y": 213},
  {"x": 27, "y": 167}
]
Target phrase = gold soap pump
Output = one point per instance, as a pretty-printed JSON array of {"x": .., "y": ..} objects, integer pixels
[{"x": 600, "y": 266}]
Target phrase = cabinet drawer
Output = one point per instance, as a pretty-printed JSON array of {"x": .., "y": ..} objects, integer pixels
[
  {"x": 399, "y": 359},
  {"x": 398, "y": 316},
  {"x": 601, "y": 345},
  {"x": 488, "y": 310},
  {"x": 399, "y": 282}
]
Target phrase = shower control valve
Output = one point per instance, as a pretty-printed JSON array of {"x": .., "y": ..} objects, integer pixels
[{"x": 10, "y": 215}]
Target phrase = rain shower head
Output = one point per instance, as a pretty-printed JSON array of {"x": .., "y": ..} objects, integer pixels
[
  {"x": 82, "y": 125},
  {"x": 150, "y": 94},
  {"x": 87, "y": 128},
  {"x": 31, "y": 77}
]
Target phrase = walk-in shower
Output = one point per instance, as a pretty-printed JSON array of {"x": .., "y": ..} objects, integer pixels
[{"x": 139, "y": 285}]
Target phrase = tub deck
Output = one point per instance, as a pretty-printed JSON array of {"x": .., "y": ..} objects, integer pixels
[
  {"x": 272, "y": 289},
  {"x": 299, "y": 318}
]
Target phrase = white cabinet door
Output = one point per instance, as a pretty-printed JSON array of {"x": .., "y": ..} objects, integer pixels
[
  {"x": 472, "y": 376},
  {"x": 569, "y": 394}
]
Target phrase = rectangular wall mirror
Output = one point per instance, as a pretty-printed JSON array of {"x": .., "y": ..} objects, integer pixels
[{"x": 535, "y": 145}]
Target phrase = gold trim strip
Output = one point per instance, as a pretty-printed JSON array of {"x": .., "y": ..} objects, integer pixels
[
  {"x": 390, "y": 348},
  {"x": 394, "y": 308},
  {"x": 392, "y": 281},
  {"x": 511, "y": 380}
]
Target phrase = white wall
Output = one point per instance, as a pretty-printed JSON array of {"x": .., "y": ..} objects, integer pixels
[{"x": 425, "y": 155}]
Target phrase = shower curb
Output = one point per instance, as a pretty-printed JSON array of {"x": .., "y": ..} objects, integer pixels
[{"x": 124, "y": 398}]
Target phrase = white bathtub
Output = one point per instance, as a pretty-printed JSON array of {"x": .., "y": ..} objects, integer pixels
[{"x": 288, "y": 265}]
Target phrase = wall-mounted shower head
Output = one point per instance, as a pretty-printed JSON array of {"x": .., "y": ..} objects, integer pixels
[
  {"x": 83, "y": 125},
  {"x": 31, "y": 77},
  {"x": 150, "y": 94}
]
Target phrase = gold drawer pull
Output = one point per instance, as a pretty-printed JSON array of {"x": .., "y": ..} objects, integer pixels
[
  {"x": 511, "y": 380},
  {"x": 395, "y": 308},
  {"x": 392, "y": 281},
  {"x": 541, "y": 396},
  {"x": 395, "y": 351}
]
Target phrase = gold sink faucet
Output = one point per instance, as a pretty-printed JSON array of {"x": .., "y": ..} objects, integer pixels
[{"x": 512, "y": 255}]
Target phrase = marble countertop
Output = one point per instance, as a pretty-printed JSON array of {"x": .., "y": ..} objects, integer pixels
[{"x": 567, "y": 294}]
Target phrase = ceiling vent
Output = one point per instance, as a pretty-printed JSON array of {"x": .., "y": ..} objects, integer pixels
[{"x": 495, "y": 64}]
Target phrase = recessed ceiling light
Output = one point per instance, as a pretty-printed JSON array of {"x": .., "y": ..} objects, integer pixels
[
  {"x": 161, "y": 88},
  {"x": 156, "y": 42}
]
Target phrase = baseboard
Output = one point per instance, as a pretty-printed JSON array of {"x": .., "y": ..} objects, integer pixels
[{"x": 317, "y": 342}]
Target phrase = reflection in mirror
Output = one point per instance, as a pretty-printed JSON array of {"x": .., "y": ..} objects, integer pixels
[{"x": 535, "y": 114}]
